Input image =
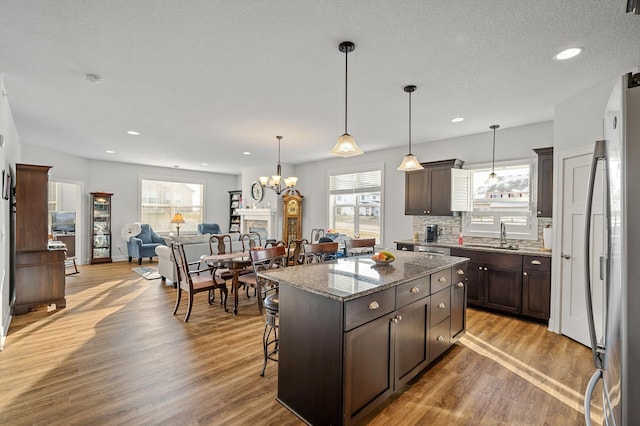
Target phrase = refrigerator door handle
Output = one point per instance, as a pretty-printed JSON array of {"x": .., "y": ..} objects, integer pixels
[
  {"x": 588, "y": 394},
  {"x": 599, "y": 153}
]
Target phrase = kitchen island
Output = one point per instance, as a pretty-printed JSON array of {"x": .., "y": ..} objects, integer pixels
[{"x": 352, "y": 332}]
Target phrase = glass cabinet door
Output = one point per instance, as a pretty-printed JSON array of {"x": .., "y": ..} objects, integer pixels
[{"x": 101, "y": 227}]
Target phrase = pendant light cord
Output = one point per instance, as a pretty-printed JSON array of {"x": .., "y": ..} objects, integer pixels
[
  {"x": 346, "y": 82},
  {"x": 493, "y": 158},
  {"x": 410, "y": 123}
]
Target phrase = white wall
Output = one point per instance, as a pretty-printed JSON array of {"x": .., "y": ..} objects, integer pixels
[
  {"x": 513, "y": 143},
  {"x": 123, "y": 180},
  {"x": 9, "y": 155}
]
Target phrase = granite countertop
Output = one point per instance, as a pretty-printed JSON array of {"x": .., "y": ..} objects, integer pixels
[
  {"x": 349, "y": 278},
  {"x": 481, "y": 247}
]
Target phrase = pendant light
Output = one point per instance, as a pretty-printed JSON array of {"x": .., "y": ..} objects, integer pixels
[
  {"x": 410, "y": 162},
  {"x": 493, "y": 177},
  {"x": 346, "y": 145}
]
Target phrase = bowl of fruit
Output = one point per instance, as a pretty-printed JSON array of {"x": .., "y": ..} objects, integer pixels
[{"x": 383, "y": 258}]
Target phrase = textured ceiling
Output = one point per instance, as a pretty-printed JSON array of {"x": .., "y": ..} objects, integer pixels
[{"x": 205, "y": 80}]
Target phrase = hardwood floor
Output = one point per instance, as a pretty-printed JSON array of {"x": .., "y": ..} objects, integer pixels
[{"x": 116, "y": 355}]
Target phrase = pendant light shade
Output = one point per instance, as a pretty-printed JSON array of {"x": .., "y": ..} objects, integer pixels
[
  {"x": 346, "y": 145},
  {"x": 410, "y": 162},
  {"x": 493, "y": 177},
  {"x": 275, "y": 181}
]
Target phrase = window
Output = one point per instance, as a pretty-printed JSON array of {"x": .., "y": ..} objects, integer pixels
[
  {"x": 355, "y": 200},
  {"x": 509, "y": 200},
  {"x": 161, "y": 200}
]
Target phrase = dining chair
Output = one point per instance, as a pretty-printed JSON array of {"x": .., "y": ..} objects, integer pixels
[
  {"x": 356, "y": 247},
  {"x": 193, "y": 282},
  {"x": 294, "y": 252},
  {"x": 223, "y": 244},
  {"x": 273, "y": 243},
  {"x": 320, "y": 252},
  {"x": 250, "y": 240},
  {"x": 263, "y": 260}
]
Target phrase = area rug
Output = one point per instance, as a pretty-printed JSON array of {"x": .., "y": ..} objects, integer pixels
[{"x": 147, "y": 273}]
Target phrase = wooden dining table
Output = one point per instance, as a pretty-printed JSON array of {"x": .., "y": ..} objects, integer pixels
[{"x": 236, "y": 263}]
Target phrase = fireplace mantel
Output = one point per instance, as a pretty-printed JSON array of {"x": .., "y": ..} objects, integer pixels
[{"x": 260, "y": 218}]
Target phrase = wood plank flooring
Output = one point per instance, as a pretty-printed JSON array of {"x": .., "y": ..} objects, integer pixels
[{"x": 116, "y": 355}]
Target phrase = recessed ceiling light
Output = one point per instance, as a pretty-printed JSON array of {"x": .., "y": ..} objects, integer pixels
[
  {"x": 569, "y": 53},
  {"x": 457, "y": 119},
  {"x": 133, "y": 133},
  {"x": 94, "y": 78},
  {"x": 246, "y": 153},
  {"x": 205, "y": 164},
  {"x": 110, "y": 152}
]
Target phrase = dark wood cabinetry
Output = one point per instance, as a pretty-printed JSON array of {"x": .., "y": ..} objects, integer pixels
[
  {"x": 428, "y": 191},
  {"x": 39, "y": 273},
  {"x": 536, "y": 287},
  {"x": 508, "y": 282},
  {"x": 459, "y": 278},
  {"x": 339, "y": 361},
  {"x": 234, "y": 206},
  {"x": 545, "y": 181}
]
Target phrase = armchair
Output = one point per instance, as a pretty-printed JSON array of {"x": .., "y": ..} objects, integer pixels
[
  {"x": 144, "y": 244},
  {"x": 209, "y": 228}
]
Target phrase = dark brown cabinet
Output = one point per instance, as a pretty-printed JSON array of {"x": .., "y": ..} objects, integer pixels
[
  {"x": 428, "y": 191},
  {"x": 536, "y": 286},
  {"x": 495, "y": 280},
  {"x": 39, "y": 272},
  {"x": 459, "y": 278},
  {"x": 411, "y": 340},
  {"x": 545, "y": 181}
]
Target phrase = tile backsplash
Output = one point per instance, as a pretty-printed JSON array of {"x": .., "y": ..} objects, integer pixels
[{"x": 451, "y": 226}]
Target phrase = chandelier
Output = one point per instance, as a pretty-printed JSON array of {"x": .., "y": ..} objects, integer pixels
[{"x": 275, "y": 182}]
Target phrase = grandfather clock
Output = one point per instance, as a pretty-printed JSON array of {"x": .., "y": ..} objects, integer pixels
[{"x": 292, "y": 227}]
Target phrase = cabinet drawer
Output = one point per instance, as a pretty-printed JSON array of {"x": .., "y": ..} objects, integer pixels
[
  {"x": 440, "y": 280},
  {"x": 439, "y": 339},
  {"x": 368, "y": 308},
  {"x": 412, "y": 291},
  {"x": 440, "y": 305},
  {"x": 536, "y": 263}
]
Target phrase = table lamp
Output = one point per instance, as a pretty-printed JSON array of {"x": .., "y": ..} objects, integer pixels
[{"x": 177, "y": 219}]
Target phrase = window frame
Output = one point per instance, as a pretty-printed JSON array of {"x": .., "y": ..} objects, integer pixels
[
  {"x": 514, "y": 232},
  {"x": 187, "y": 228},
  {"x": 355, "y": 170}
]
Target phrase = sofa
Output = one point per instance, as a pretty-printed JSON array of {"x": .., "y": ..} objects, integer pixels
[
  {"x": 194, "y": 247},
  {"x": 144, "y": 244}
]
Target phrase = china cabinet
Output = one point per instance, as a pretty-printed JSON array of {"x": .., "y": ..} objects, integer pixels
[{"x": 101, "y": 227}]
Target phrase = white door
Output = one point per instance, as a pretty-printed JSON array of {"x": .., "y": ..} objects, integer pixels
[{"x": 574, "y": 314}]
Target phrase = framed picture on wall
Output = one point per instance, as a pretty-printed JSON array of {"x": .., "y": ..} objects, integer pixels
[{"x": 6, "y": 184}]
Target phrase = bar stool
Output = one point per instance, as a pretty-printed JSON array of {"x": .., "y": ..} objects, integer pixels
[{"x": 270, "y": 334}]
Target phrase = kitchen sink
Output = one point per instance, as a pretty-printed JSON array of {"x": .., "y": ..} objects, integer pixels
[{"x": 494, "y": 246}]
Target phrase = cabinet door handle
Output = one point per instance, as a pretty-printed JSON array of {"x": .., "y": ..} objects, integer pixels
[
  {"x": 404, "y": 248},
  {"x": 524, "y": 273},
  {"x": 414, "y": 290},
  {"x": 441, "y": 305},
  {"x": 485, "y": 269},
  {"x": 536, "y": 262},
  {"x": 399, "y": 317},
  {"x": 566, "y": 255},
  {"x": 460, "y": 284},
  {"x": 440, "y": 338},
  {"x": 539, "y": 212},
  {"x": 373, "y": 305},
  {"x": 480, "y": 268},
  {"x": 460, "y": 272},
  {"x": 424, "y": 211},
  {"x": 442, "y": 279},
  {"x": 428, "y": 211}
]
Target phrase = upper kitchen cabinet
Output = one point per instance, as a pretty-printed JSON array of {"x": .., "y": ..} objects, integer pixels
[
  {"x": 428, "y": 191},
  {"x": 545, "y": 181}
]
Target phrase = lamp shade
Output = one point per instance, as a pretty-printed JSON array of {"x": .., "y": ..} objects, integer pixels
[
  {"x": 410, "y": 163},
  {"x": 346, "y": 146},
  {"x": 177, "y": 218}
]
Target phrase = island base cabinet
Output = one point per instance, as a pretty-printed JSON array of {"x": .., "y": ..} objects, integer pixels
[
  {"x": 368, "y": 367},
  {"x": 411, "y": 340},
  {"x": 458, "y": 303}
]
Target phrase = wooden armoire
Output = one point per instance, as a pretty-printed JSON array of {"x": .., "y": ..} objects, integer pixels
[{"x": 39, "y": 272}]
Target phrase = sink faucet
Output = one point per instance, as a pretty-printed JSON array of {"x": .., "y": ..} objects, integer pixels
[{"x": 503, "y": 234}]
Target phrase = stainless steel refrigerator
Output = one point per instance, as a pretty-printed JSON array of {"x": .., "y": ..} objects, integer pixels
[{"x": 616, "y": 353}]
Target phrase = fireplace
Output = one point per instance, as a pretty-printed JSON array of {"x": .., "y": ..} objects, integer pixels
[{"x": 258, "y": 218}]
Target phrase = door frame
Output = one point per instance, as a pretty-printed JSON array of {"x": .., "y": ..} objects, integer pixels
[{"x": 557, "y": 223}]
